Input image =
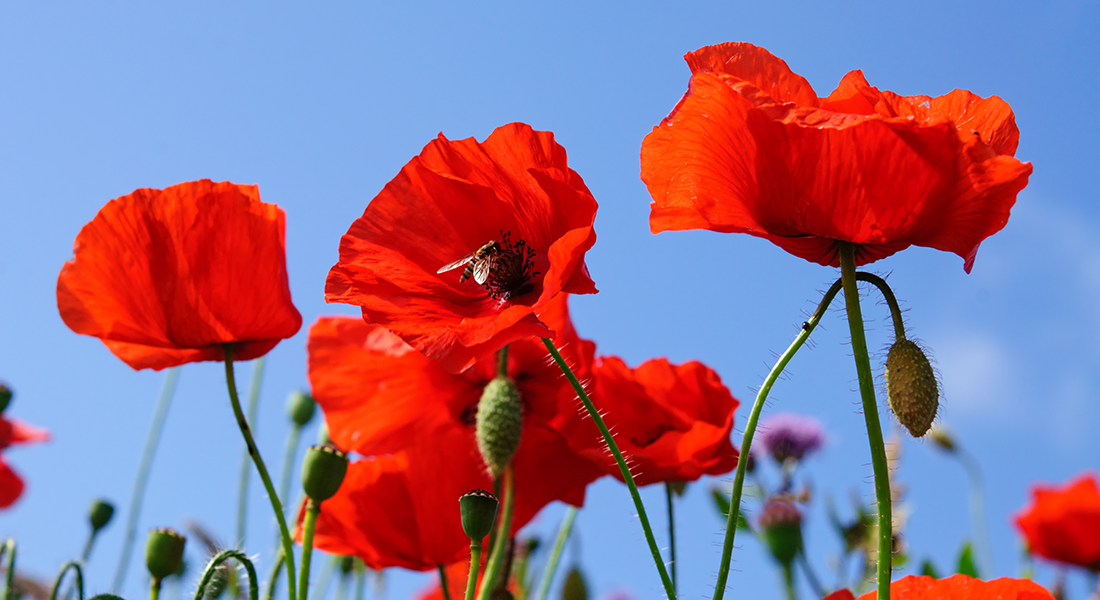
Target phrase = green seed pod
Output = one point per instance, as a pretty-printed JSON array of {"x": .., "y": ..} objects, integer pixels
[
  {"x": 574, "y": 587},
  {"x": 479, "y": 513},
  {"x": 300, "y": 407},
  {"x": 5, "y": 397},
  {"x": 100, "y": 514},
  {"x": 911, "y": 387},
  {"x": 323, "y": 470},
  {"x": 782, "y": 526},
  {"x": 499, "y": 423},
  {"x": 163, "y": 552}
]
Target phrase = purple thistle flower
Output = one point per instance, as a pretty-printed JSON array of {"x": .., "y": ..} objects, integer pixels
[{"x": 790, "y": 436}]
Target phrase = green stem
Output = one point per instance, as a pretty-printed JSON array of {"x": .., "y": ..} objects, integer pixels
[
  {"x": 502, "y": 362},
  {"x": 361, "y": 581},
  {"x": 212, "y": 567},
  {"x": 891, "y": 301},
  {"x": 443, "y": 583},
  {"x": 288, "y": 459},
  {"x": 242, "y": 484},
  {"x": 504, "y": 528},
  {"x": 788, "y": 581},
  {"x": 475, "y": 566},
  {"x": 154, "y": 588},
  {"x": 977, "y": 510},
  {"x": 9, "y": 578},
  {"x": 870, "y": 414},
  {"x": 269, "y": 593},
  {"x": 671, "y": 536},
  {"x": 308, "y": 526},
  {"x": 623, "y": 468},
  {"x": 87, "y": 553},
  {"x": 160, "y": 414},
  {"x": 254, "y": 452},
  {"x": 750, "y": 430},
  {"x": 555, "y": 555},
  {"x": 78, "y": 581}
]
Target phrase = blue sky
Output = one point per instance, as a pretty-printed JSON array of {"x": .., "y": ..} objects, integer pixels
[{"x": 321, "y": 105}]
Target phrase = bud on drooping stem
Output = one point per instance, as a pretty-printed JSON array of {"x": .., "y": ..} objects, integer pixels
[
  {"x": 911, "y": 387},
  {"x": 499, "y": 424},
  {"x": 479, "y": 513},
  {"x": 323, "y": 471},
  {"x": 163, "y": 552}
]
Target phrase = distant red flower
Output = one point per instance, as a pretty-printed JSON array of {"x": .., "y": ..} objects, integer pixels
[
  {"x": 13, "y": 432},
  {"x": 956, "y": 587},
  {"x": 750, "y": 148},
  {"x": 516, "y": 189},
  {"x": 673, "y": 422},
  {"x": 1063, "y": 524},
  {"x": 382, "y": 397},
  {"x": 166, "y": 277}
]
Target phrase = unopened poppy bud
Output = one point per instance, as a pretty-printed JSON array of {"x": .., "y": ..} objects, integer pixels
[
  {"x": 941, "y": 438},
  {"x": 300, "y": 407},
  {"x": 911, "y": 387},
  {"x": 499, "y": 423},
  {"x": 163, "y": 552},
  {"x": 5, "y": 397},
  {"x": 100, "y": 514},
  {"x": 574, "y": 587},
  {"x": 479, "y": 513},
  {"x": 782, "y": 526},
  {"x": 323, "y": 470}
]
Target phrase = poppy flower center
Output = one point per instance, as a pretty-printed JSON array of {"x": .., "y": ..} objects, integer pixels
[{"x": 512, "y": 269}]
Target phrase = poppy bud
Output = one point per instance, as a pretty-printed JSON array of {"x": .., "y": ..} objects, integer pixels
[
  {"x": 163, "y": 552},
  {"x": 574, "y": 587},
  {"x": 782, "y": 526},
  {"x": 100, "y": 514},
  {"x": 941, "y": 438},
  {"x": 499, "y": 423},
  {"x": 911, "y": 387},
  {"x": 323, "y": 471},
  {"x": 300, "y": 407},
  {"x": 479, "y": 512},
  {"x": 5, "y": 397}
]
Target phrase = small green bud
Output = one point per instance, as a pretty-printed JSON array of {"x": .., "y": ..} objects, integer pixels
[
  {"x": 574, "y": 587},
  {"x": 300, "y": 407},
  {"x": 347, "y": 564},
  {"x": 163, "y": 552},
  {"x": 479, "y": 513},
  {"x": 323, "y": 470},
  {"x": 5, "y": 397},
  {"x": 911, "y": 387},
  {"x": 100, "y": 514},
  {"x": 499, "y": 424},
  {"x": 782, "y": 526}
]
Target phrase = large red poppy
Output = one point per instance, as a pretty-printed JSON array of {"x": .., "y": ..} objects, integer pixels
[
  {"x": 516, "y": 189},
  {"x": 15, "y": 432},
  {"x": 167, "y": 277},
  {"x": 382, "y": 397},
  {"x": 750, "y": 148},
  {"x": 956, "y": 587},
  {"x": 673, "y": 422},
  {"x": 1063, "y": 524}
]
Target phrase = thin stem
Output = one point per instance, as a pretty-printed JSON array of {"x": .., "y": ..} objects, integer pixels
[
  {"x": 502, "y": 362},
  {"x": 254, "y": 452},
  {"x": 160, "y": 414},
  {"x": 242, "y": 484},
  {"x": 504, "y": 528},
  {"x": 623, "y": 468},
  {"x": 361, "y": 581},
  {"x": 788, "y": 581},
  {"x": 671, "y": 536},
  {"x": 870, "y": 414},
  {"x": 555, "y": 554},
  {"x": 308, "y": 526},
  {"x": 443, "y": 583},
  {"x": 475, "y": 566},
  {"x": 78, "y": 581},
  {"x": 9, "y": 579},
  {"x": 87, "y": 553},
  {"x": 269, "y": 592},
  {"x": 154, "y": 588},
  {"x": 750, "y": 430},
  {"x": 891, "y": 301},
  {"x": 977, "y": 510},
  {"x": 290, "y": 450},
  {"x": 212, "y": 567}
]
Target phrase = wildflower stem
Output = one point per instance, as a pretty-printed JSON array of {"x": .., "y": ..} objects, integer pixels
[
  {"x": 555, "y": 554},
  {"x": 78, "y": 581},
  {"x": 671, "y": 536},
  {"x": 750, "y": 430},
  {"x": 160, "y": 414},
  {"x": 154, "y": 588},
  {"x": 443, "y": 582},
  {"x": 977, "y": 509},
  {"x": 788, "y": 581},
  {"x": 9, "y": 579},
  {"x": 290, "y": 449},
  {"x": 623, "y": 468},
  {"x": 502, "y": 362},
  {"x": 212, "y": 567},
  {"x": 891, "y": 301},
  {"x": 87, "y": 553},
  {"x": 870, "y": 414},
  {"x": 308, "y": 526},
  {"x": 242, "y": 486},
  {"x": 254, "y": 452},
  {"x": 475, "y": 566},
  {"x": 361, "y": 581},
  {"x": 269, "y": 593},
  {"x": 504, "y": 529}
]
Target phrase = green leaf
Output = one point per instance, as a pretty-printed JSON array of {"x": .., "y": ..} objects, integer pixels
[
  {"x": 928, "y": 569},
  {"x": 722, "y": 502},
  {"x": 966, "y": 562}
]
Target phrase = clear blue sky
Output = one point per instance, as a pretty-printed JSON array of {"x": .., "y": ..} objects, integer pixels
[{"x": 321, "y": 105}]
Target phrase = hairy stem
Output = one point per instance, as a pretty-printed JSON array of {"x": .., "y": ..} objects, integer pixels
[
  {"x": 242, "y": 483},
  {"x": 555, "y": 554}
]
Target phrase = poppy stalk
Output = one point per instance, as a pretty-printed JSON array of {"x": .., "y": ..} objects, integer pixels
[
  {"x": 555, "y": 554},
  {"x": 497, "y": 558},
  {"x": 78, "y": 580}
]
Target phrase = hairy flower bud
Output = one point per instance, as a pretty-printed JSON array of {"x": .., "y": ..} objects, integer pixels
[
  {"x": 782, "y": 526},
  {"x": 300, "y": 407},
  {"x": 499, "y": 423},
  {"x": 163, "y": 552},
  {"x": 100, "y": 514},
  {"x": 911, "y": 387},
  {"x": 479, "y": 513},
  {"x": 323, "y": 470}
]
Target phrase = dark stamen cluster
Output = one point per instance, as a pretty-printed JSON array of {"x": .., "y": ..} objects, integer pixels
[{"x": 512, "y": 269}]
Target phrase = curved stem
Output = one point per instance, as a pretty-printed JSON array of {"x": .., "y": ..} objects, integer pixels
[
  {"x": 254, "y": 452},
  {"x": 9, "y": 577},
  {"x": 977, "y": 510},
  {"x": 891, "y": 301},
  {"x": 504, "y": 529},
  {"x": 308, "y": 526},
  {"x": 242, "y": 484},
  {"x": 475, "y": 566},
  {"x": 750, "y": 430},
  {"x": 671, "y": 537},
  {"x": 870, "y": 414},
  {"x": 212, "y": 567},
  {"x": 160, "y": 414},
  {"x": 78, "y": 582},
  {"x": 443, "y": 582},
  {"x": 269, "y": 592},
  {"x": 623, "y": 468},
  {"x": 555, "y": 555}
]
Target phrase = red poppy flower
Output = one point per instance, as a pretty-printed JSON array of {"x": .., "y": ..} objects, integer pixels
[
  {"x": 514, "y": 189},
  {"x": 672, "y": 421},
  {"x": 1063, "y": 524},
  {"x": 750, "y": 148},
  {"x": 956, "y": 587},
  {"x": 382, "y": 397},
  {"x": 167, "y": 277},
  {"x": 15, "y": 432}
]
